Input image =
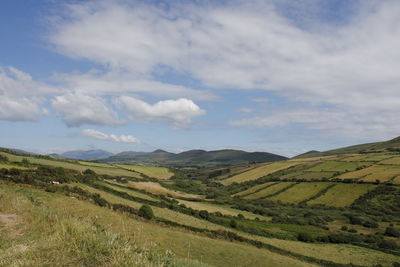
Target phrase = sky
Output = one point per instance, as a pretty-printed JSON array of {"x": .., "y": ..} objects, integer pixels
[{"x": 282, "y": 76}]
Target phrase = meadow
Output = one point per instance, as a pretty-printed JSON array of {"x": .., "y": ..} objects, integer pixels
[
  {"x": 300, "y": 192},
  {"x": 151, "y": 171}
]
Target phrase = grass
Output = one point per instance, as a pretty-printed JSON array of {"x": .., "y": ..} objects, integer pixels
[
  {"x": 51, "y": 234},
  {"x": 11, "y": 166},
  {"x": 268, "y": 191},
  {"x": 259, "y": 172},
  {"x": 337, "y": 166},
  {"x": 382, "y": 173},
  {"x": 130, "y": 191},
  {"x": 391, "y": 161},
  {"x": 210, "y": 207},
  {"x": 73, "y": 166},
  {"x": 253, "y": 189},
  {"x": 307, "y": 175},
  {"x": 95, "y": 164},
  {"x": 151, "y": 171},
  {"x": 369, "y": 157},
  {"x": 300, "y": 192},
  {"x": 342, "y": 195},
  {"x": 157, "y": 189},
  {"x": 156, "y": 238}
]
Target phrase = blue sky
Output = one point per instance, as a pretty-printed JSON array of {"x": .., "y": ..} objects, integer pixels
[{"x": 279, "y": 76}]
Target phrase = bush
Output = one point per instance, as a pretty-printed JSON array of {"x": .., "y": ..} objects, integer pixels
[
  {"x": 388, "y": 244},
  {"x": 305, "y": 237},
  {"x": 390, "y": 231},
  {"x": 146, "y": 212},
  {"x": 3, "y": 158},
  {"x": 204, "y": 214},
  {"x": 233, "y": 223},
  {"x": 89, "y": 172}
]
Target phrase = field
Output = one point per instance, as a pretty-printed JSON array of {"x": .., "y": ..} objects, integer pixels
[
  {"x": 300, "y": 192},
  {"x": 342, "y": 195},
  {"x": 268, "y": 191},
  {"x": 73, "y": 166},
  {"x": 10, "y": 166},
  {"x": 382, "y": 173},
  {"x": 151, "y": 171},
  {"x": 374, "y": 157},
  {"x": 253, "y": 189},
  {"x": 337, "y": 166},
  {"x": 260, "y": 172},
  {"x": 157, "y": 189},
  {"x": 307, "y": 175},
  {"x": 90, "y": 251},
  {"x": 391, "y": 161}
]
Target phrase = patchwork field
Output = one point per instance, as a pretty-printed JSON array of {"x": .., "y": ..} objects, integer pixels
[
  {"x": 300, "y": 192},
  {"x": 73, "y": 166},
  {"x": 12, "y": 166},
  {"x": 151, "y": 171},
  {"x": 391, "y": 161},
  {"x": 253, "y": 189},
  {"x": 342, "y": 195},
  {"x": 374, "y": 157},
  {"x": 307, "y": 175},
  {"x": 260, "y": 172},
  {"x": 269, "y": 191},
  {"x": 337, "y": 166},
  {"x": 157, "y": 189},
  {"x": 382, "y": 173}
]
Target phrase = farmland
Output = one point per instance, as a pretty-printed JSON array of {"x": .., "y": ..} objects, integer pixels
[
  {"x": 151, "y": 171},
  {"x": 269, "y": 190},
  {"x": 300, "y": 192}
]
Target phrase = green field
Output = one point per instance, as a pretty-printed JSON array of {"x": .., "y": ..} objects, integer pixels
[
  {"x": 11, "y": 166},
  {"x": 157, "y": 189},
  {"x": 261, "y": 171},
  {"x": 374, "y": 157},
  {"x": 300, "y": 192},
  {"x": 342, "y": 195},
  {"x": 253, "y": 189},
  {"x": 307, "y": 175},
  {"x": 268, "y": 191},
  {"x": 337, "y": 166},
  {"x": 151, "y": 171},
  {"x": 72, "y": 166},
  {"x": 130, "y": 191},
  {"x": 391, "y": 161},
  {"x": 382, "y": 173}
]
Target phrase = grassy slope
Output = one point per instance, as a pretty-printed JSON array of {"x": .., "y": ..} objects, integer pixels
[
  {"x": 342, "y": 195},
  {"x": 300, "y": 192},
  {"x": 268, "y": 191},
  {"x": 151, "y": 171},
  {"x": 73, "y": 166},
  {"x": 260, "y": 172},
  {"x": 157, "y": 189},
  {"x": 253, "y": 189},
  {"x": 184, "y": 244}
]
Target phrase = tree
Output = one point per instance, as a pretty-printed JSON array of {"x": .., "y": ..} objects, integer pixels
[{"x": 146, "y": 212}]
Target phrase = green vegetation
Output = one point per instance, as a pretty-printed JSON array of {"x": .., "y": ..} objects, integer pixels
[
  {"x": 278, "y": 187},
  {"x": 300, "y": 192},
  {"x": 151, "y": 171}
]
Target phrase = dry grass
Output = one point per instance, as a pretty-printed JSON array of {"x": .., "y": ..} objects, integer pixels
[
  {"x": 382, "y": 173},
  {"x": 342, "y": 195},
  {"x": 261, "y": 171},
  {"x": 157, "y": 189},
  {"x": 253, "y": 189}
]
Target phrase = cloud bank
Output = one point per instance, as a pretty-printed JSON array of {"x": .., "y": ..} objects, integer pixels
[{"x": 109, "y": 137}]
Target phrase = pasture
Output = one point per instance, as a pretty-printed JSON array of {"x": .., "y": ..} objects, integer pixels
[
  {"x": 300, "y": 192},
  {"x": 269, "y": 190},
  {"x": 259, "y": 172},
  {"x": 151, "y": 171},
  {"x": 157, "y": 189},
  {"x": 342, "y": 195},
  {"x": 337, "y": 166},
  {"x": 253, "y": 189}
]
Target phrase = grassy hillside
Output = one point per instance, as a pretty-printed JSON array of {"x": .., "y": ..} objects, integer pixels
[{"x": 280, "y": 213}]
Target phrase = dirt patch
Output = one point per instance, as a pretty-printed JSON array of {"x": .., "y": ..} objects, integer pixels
[{"x": 10, "y": 222}]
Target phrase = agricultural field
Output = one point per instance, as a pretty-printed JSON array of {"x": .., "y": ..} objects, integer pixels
[
  {"x": 370, "y": 157},
  {"x": 300, "y": 192},
  {"x": 342, "y": 195},
  {"x": 157, "y": 189},
  {"x": 269, "y": 191},
  {"x": 210, "y": 207},
  {"x": 391, "y": 161},
  {"x": 151, "y": 171},
  {"x": 382, "y": 173},
  {"x": 254, "y": 189},
  {"x": 73, "y": 166},
  {"x": 11, "y": 166},
  {"x": 259, "y": 172},
  {"x": 307, "y": 175},
  {"x": 337, "y": 166},
  {"x": 130, "y": 191}
]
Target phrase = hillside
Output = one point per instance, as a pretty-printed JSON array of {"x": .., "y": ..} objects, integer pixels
[
  {"x": 193, "y": 158},
  {"x": 386, "y": 146},
  {"x": 86, "y": 154},
  {"x": 325, "y": 211}
]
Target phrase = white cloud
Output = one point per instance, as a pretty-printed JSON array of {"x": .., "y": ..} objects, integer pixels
[
  {"x": 179, "y": 112},
  {"x": 77, "y": 109},
  {"x": 110, "y": 137},
  {"x": 246, "y": 110},
  {"x": 20, "y": 96},
  {"x": 352, "y": 67}
]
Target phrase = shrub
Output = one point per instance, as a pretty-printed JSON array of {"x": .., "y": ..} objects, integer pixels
[
  {"x": 3, "y": 158},
  {"x": 305, "y": 237},
  {"x": 344, "y": 228},
  {"x": 89, "y": 172},
  {"x": 204, "y": 214},
  {"x": 146, "y": 212},
  {"x": 233, "y": 223},
  {"x": 388, "y": 244},
  {"x": 390, "y": 231}
]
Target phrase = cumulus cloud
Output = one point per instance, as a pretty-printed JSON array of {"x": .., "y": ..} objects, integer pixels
[
  {"x": 109, "y": 137},
  {"x": 179, "y": 112},
  {"x": 76, "y": 110},
  {"x": 20, "y": 96},
  {"x": 351, "y": 67}
]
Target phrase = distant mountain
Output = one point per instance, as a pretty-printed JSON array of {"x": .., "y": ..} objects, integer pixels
[
  {"x": 86, "y": 154},
  {"x": 391, "y": 145},
  {"x": 194, "y": 158}
]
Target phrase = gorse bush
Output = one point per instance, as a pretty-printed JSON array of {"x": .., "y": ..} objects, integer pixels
[{"x": 146, "y": 212}]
